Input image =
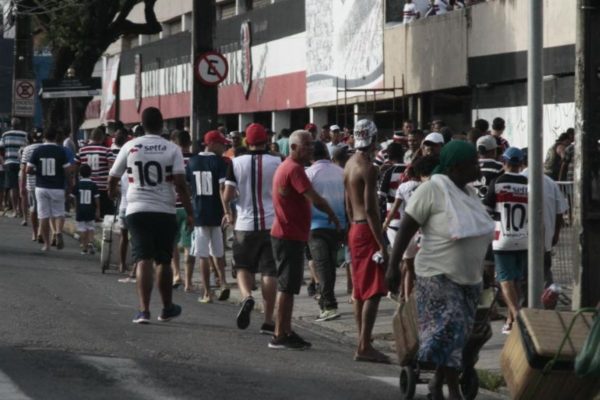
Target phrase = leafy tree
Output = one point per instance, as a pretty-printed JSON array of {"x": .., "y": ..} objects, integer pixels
[{"x": 78, "y": 32}]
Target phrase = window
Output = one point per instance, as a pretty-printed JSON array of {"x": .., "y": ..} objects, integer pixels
[{"x": 226, "y": 10}]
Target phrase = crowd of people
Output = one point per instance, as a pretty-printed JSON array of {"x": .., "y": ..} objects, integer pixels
[{"x": 426, "y": 214}]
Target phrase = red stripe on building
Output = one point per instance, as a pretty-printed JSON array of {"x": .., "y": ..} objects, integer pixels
[
  {"x": 259, "y": 184},
  {"x": 281, "y": 92},
  {"x": 171, "y": 106}
]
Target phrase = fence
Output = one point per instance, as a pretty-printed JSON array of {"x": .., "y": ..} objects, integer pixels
[{"x": 563, "y": 255}]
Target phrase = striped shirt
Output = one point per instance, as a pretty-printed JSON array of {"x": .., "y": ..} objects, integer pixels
[
  {"x": 100, "y": 159},
  {"x": 25, "y": 157},
  {"x": 12, "y": 142},
  {"x": 186, "y": 160},
  {"x": 390, "y": 181},
  {"x": 252, "y": 174}
]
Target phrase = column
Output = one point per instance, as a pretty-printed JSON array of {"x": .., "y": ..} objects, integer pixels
[
  {"x": 280, "y": 120},
  {"x": 318, "y": 116},
  {"x": 243, "y": 120}
]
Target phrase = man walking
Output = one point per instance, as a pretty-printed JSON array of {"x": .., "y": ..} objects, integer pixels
[
  {"x": 327, "y": 180},
  {"x": 251, "y": 175},
  {"x": 292, "y": 196},
  {"x": 51, "y": 166},
  {"x": 206, "y": 171},
  {"x": 28, "y": 183},
  {"x": 153, "y": 165},
  {"x": 100, "y": 158},
  {"x": 12, "y": 142},
  {"x": 367, "y": 247},
  {"x": 506, "y": 199}
]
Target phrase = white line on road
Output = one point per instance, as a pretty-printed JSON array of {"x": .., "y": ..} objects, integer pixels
[
  {"x": 9, "y": 390},
  {"x": 390, "y": 380},
  {"x": 129, "y": 376}
]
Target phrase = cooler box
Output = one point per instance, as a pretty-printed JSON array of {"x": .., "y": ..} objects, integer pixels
[
  {"x": 533, "y": 342},
  {"x": 111, "y": 238}
]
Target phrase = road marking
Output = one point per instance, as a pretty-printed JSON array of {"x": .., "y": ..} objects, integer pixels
[
  {"x": 9, "y": 390},
  {"x": 129, "y": 376},
  {"x": 390, "y": 380}
]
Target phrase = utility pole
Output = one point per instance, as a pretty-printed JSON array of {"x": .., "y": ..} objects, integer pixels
[
  {"x": 535, "y": 101},
  {"x": 586, "y": 204},
  {"x": 23, "y": 56},
  {"x": 204, "y": 98}
]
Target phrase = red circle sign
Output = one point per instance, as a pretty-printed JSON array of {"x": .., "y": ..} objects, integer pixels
[
  {"x": 211, "y": 68},
  {"x": 25, "y": 90}
]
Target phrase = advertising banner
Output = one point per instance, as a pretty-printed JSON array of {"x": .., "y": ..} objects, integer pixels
[{"x": 110, "y": 76}]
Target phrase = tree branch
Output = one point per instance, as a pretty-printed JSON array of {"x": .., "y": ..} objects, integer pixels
[{"x": 122, "y": 26}]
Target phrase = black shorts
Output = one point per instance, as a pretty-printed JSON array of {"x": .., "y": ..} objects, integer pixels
[
  {"x": 289, "y": 259},
  {"x": 152, "y": 236},
  {"x": 252, "y": 251},
  {"x": 107, "y": 206},
  {"x": 11, "y": 176}
]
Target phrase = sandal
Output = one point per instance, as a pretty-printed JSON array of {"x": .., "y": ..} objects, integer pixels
[{"x": 507, "y": 328}]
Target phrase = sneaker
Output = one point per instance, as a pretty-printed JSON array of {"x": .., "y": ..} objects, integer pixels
[
  {"x": 84, "y": 251},
  {"x": 168, "y": 314},
  {"x": 294, "y": 337},
  {"x": 59, "y": 241},
  {"x": 224, "y": 295},
  {"x": 24, "y": 222},
  {"x": 328, "y": 315},
  {"x": 91, "y": 249},
  {"x": 142, "y": 317},
  {"x": 506, "y": 329},
  {"x": 267, "y": 329},
  {"x": 285, "y": 342},
  {"x": 205, "y": 300},
  {"x": 311, "y": 289},
  {"x": 243, "y": 317},
  {"x": 128, "y": 279}
]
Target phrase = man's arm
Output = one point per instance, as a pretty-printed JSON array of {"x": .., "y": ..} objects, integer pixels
[
  {"x": 372, "y": 208},
  {"x": 321, "y": 204},
  {"x": 348, "y": 202},
  {"x": 113, "y": 183},
  {"x": 181, "y": 187},
  {"x": 228, "y": 195},
  {"x": 392, "y": 212},
  {"x": 407, "y": 229}
]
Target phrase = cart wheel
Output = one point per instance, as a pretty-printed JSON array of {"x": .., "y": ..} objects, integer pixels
[
  {"x": 408, "y": 383},
  {"x": 469, "y": 383}
]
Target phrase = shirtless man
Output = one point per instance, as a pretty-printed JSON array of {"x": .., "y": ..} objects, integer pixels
[{"x": 365, "y": 239}]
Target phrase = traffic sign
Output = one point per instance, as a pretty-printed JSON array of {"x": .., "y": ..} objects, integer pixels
[
  {"x": 65, "y": 88},
  {"x": 211, "y": 68},
  {"x": 24, "y": 98}
]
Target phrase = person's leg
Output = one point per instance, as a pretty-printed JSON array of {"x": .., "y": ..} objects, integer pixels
[
  {"x": 285, "y": 307},
  {"x": 269, "y": 294},
  {"x": 35, "y": 224},
  {"x": 451, "y": 377},
  {"x": 511, "y": 297},
  {"x": 321, "y": 248},
  {"x": 145, "y": 270},
  {"x": 507, "y": 263},
  {"x": 16, "y": 203},
  {"x": 176, "y": 272},
  {"x": 44, "y": 216},
  {"x": 245, "y": 281},
  {"x": 368, "y": 316},
  {"x": 217, "y": 250},
  {"x": 123, "y": 244},
  {"x": 548, "y": 276},
  {"x": 205, "y": 271},
  {"x": 189, "y": 262},
  {"x": 165, "y": 283},
  {"x": 436, "y": 384},
  {"x": 357, "y": 306},
  {"x": 45, "y": 232}
]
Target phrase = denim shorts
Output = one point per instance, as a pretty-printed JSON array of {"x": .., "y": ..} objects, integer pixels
[{"x": 510, "y": 265}]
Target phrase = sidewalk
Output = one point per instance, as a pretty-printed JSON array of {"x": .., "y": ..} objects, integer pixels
[{"x": 343, "y": 329}]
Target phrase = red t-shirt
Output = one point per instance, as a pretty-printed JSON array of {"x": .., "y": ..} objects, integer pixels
[{"x": 292, "y": 209}]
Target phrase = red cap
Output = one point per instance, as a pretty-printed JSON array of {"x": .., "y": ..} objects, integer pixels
[
  {"x": 256, "y": 134},
  {"x": 310, "y": 127},
  {"x": 215, "y": 137}
]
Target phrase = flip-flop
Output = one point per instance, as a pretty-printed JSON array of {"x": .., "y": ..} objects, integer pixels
[
  {"x": 176, "y": 284},
  {"x": 378, "y": 360}
]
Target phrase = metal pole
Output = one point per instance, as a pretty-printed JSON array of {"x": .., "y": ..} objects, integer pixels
[
  {"x": 72, "y": 122},
  {"x": 535, "y": 100}
]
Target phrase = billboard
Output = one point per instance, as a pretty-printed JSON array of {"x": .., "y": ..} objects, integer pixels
[{"x": 344, "y": 41}]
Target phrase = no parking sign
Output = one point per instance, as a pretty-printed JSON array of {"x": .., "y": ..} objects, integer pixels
[{"x": 211, "y": 68}]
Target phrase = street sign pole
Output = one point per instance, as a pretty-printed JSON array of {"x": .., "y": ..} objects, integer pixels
[
  {"x": 71, "y": 75},
  {"x": 23, "y": 57},
  {"x": 204, "y": 97},
  {"x": 535, "y": 101}
]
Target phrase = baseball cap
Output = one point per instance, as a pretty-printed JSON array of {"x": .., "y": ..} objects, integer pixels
[
  {"x": 215, "y": 137},
  {"x": 513, "y": 155},
  {"x": 487, "y": 143},
  {"x": 256, "y": 134},
  {"x": 334, "y": 128},
  {"x": 364, "y": 133},
  {"x": 434, "y": 138},
  {"x": 310, "y": 127}
]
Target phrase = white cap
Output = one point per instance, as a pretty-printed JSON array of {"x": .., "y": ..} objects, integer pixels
[
  {"x": 488, "y": 142},
  {"x": 364, "y": 133},
  {"x": 334, "y": 128},
  {"x": 434, "y": 137}
]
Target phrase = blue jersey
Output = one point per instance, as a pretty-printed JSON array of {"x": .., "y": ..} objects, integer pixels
[
  {"x": 49, "y": 161},
  {"x": 85, "y": 193},
  {"x": 206, "y": 173}
]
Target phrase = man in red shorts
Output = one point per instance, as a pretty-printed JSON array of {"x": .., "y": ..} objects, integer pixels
[
  {"x": 365, "y": 240},
  {"x": 292, "y": 197}
]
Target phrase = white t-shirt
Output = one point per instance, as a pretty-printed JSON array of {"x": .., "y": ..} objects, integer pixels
[
  {"x": 150, "y": 162},
  {"x": 124, "y": 187},
  {"x": 252, "y": 175},
  {"x": 460, "y": 260},
  {"x": 404, "y": 193},
  {"x": 554, "y": 204}
]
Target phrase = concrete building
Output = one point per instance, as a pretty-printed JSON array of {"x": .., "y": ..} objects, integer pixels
[{"x": 291, "y": 61}]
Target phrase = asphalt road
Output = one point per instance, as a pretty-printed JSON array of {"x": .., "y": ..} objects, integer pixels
[{"x": 66, "y": 333}]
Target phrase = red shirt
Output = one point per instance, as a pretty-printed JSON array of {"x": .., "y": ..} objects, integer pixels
[{"x": 292, "y": 209}]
